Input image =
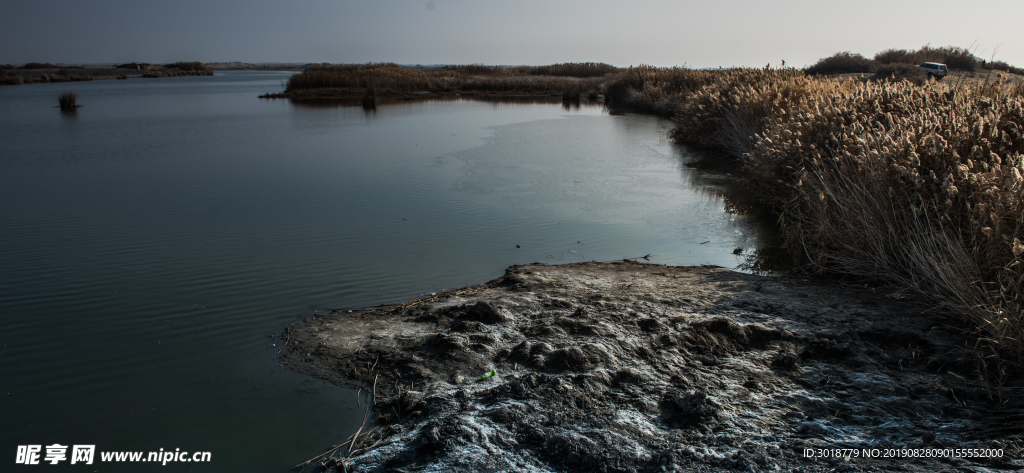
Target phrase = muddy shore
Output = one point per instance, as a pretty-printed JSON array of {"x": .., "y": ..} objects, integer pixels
[{"x": 641, "y": 367}]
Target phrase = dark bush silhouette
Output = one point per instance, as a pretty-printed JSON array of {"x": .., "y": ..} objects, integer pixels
[
  {"x": 955, "y": 58},
  {"x": 897, "y": 56},
  {"x": 38, "y": 65},
  {"x": 842, "y": 63}
]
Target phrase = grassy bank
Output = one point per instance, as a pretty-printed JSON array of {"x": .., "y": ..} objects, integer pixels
[{"x": 917, "y": 186}]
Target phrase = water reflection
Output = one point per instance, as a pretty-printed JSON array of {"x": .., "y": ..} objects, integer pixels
[{"x": 710, "y": 172}]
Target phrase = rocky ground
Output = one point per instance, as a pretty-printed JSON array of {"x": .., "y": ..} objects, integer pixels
[{"x": 641, "y": 367}]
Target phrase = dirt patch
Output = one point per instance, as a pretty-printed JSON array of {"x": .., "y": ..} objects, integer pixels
[{"x": 640, "y": 367}]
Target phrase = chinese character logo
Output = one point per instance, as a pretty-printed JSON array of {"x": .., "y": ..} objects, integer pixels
[
  {"x": 83, "y": 454},
  {"x": 56, "y": 453},
  {"x": 28, "y": 454}
]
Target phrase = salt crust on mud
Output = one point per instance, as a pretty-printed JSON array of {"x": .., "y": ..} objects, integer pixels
[{"x": 640, "y": 367}]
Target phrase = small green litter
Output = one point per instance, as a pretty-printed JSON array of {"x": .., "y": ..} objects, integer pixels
[{"x": 489, "y": 374}]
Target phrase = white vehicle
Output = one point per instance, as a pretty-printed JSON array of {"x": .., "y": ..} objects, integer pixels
[{"x": 935, "y": 69}]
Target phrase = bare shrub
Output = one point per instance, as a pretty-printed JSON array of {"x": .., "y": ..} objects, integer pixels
[
  {"x": 897, "y": 56},
  {"x": 38, "y": 65},
  {"x": 842, "y": 63},
  {"x": 953, "y": 57}
]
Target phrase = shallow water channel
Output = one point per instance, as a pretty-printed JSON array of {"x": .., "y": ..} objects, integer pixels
[{"x": 153, "y": 244}]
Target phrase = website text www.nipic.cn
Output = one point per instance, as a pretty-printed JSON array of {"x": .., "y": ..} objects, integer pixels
[{"x": 86, "y": 455}]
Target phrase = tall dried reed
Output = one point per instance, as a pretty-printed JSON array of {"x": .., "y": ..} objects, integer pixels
[
  {"x": 914, "y": 185},
  {"x": 917, "y": 185},
  {"x": 68, "y": 101}
]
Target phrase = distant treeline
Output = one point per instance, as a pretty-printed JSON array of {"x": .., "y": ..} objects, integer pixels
[
  {"x": 955, "y": 58},
  {"x": 39, "y": 65}
]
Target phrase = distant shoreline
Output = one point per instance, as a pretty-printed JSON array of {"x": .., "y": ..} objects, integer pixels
[
  {"x": 36, "y": 73},
  {"x": 357, "y": 93},
  {"x": 245, "y": 66}
]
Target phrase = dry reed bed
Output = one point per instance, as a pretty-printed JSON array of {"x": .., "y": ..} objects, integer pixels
[
  {"x": 920, "y": 186},
  {"x": 915, "y": 185},
  {"x": 387, "y": 78}
]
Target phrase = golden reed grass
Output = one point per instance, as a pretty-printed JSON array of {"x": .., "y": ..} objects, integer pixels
[{"x": 917, "y": 185}]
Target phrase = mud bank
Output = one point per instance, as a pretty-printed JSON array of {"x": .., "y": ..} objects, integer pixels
[{"x": 641, "y": 367}]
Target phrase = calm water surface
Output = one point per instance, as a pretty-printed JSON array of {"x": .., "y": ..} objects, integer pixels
[{"x": 153, "y": 242}]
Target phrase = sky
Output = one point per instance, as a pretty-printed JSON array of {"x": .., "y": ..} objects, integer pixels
[{"x": 624, "y": 32}]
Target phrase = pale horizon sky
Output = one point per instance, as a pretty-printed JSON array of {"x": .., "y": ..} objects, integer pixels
[{"x": 622, "y": 33}]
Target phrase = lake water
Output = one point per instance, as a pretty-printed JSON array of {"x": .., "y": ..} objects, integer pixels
[{"x": 154, "y": 242}]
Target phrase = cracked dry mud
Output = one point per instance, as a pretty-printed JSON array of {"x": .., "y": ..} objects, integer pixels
[{"x": 641, "y": 367}]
